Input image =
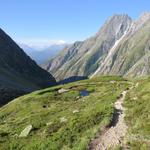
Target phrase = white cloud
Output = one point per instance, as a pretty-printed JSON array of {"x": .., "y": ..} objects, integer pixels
[{"x": 40, "y": 44}]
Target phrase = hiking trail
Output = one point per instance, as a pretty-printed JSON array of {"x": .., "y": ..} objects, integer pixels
[{"x": 116, "y": 130}]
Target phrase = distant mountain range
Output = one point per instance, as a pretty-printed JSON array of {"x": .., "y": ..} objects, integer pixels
[
  {"x": 120, "y": 47},
  {"x": 18, "y": 73},
  {"x": 42, "y": 55}
]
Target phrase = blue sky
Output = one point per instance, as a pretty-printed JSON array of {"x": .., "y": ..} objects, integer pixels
[{"x": 68, "y": 20}]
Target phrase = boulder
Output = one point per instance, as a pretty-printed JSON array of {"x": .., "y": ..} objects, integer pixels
[
  {"x": 63, "y": 119},
  {"x": 76, "y": 111},
  {"x": 26, "y": 131},
  {"x": 62, "y": 91}
]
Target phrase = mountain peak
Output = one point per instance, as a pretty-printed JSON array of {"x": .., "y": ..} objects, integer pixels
[
  {"x": 116, "y": 24},
  {"x": 120, "y": 16},
  {"x": 145, "y": 16}
]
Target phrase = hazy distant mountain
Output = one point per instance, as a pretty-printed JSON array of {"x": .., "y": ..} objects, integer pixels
[
  {"x": 27, "y": 49},
  {"x": 18, "y": 73},
  {"x": 121, "y": 47},
  {"x": 42, "y": 55}
]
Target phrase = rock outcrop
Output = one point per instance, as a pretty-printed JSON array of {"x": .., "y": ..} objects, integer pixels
[{"x": 26, "y": 131}]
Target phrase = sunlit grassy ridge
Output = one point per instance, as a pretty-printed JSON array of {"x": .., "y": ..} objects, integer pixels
[
  {"x": 138, "y": 115},
  {"x": 60, "y": 120}
]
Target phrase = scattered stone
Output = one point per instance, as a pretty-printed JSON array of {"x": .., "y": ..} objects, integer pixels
[
  {"x": 76, "y": 111},
  {"x": 63, "y": 119},
  {"x": 134, "y": 98},
  {"x": 112, "y": 82},
  {"x": 48, "y": 123},
  {"x": 26, "y": 131},
  {"x": 137, "y": 84},
  {"x": 60, "y": 91},
  {"x": 78, "y": 97}
]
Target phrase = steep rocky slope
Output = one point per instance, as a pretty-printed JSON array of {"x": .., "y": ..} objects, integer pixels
[
  {"x": 18, "y": 73},
  {"x": 121, "y": 47},
  {"x": 130, "y": 57}
]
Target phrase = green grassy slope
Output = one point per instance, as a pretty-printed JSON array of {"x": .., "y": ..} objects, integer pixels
[
  {"x": 138, "y": 115},
  {"x": 60, "y": 121}
]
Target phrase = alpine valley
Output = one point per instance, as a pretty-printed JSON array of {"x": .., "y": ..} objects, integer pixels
[{"x": 94, "y": 95}]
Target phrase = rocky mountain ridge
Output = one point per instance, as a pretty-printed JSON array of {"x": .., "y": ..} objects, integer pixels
[{"x": 116, "y": 49}]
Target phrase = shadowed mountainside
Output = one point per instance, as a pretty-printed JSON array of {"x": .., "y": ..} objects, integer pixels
[{"x": 18, "y": 72}]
